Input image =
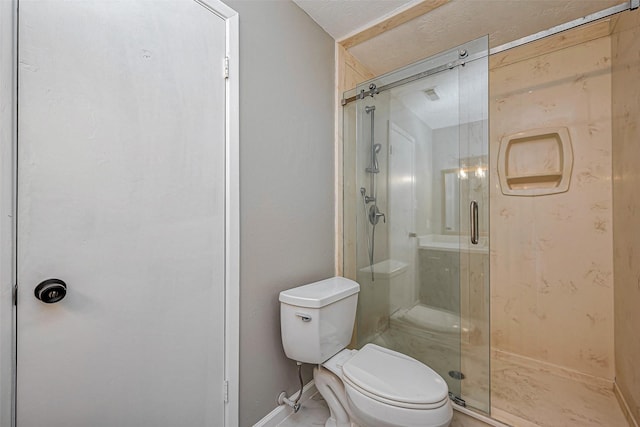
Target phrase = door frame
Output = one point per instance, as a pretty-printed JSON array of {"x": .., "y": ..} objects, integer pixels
[{"x": 8, "y": 193}]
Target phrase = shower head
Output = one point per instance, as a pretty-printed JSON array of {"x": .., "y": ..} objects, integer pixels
[{"x": 374, "y": 168}]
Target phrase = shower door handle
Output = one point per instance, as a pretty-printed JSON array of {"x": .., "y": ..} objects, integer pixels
[{"x": 473, "y": 217}]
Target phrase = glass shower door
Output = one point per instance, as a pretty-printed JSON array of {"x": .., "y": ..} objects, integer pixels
[
  {"x": 474, "y": 230},
  {"x": 418, "y": 133}
]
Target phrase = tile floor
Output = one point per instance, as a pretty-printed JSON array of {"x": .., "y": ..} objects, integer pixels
[
  {"x": 524, "y": 392},
  {"x": 528, "y": 393},
  {"x": 314, "y": 413}
]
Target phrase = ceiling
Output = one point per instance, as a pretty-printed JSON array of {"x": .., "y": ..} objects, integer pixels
[
  {"x": 444, "y": 28},
  {"x": 439, "y": 113},
  {"x": 341, "y": 18}
]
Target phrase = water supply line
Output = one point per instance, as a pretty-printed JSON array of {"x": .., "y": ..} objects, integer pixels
[{"x": 295, "y": 404}]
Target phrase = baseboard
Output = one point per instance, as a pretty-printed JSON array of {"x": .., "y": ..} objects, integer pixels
[
  {"x": 278, "y": 415},
  {"x": 624, "y": 406}
]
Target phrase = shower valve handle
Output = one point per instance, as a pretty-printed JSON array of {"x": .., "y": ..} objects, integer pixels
[{"x": 375, "y": 214}]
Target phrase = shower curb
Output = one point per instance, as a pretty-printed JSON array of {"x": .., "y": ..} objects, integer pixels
[{"x": 480, "y": 417}]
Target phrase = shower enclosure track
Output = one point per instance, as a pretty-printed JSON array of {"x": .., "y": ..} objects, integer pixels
[{"x": 628, "y": 5}]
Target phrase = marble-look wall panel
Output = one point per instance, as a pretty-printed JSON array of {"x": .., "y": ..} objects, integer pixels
[
  {"x": 373, "y": 307},
  {"x": 626, "y": 205},
  {"x": 440, "y": 279},
  {"x": 551, "y": 256}
]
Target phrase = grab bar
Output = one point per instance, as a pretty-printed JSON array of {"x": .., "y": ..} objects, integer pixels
[{"x": 473, "y": 217}]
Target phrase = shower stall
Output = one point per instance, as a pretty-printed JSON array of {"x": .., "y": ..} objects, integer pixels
[
  {"x": 554, "y": 148},
  {"x": 417, "y": 238}
]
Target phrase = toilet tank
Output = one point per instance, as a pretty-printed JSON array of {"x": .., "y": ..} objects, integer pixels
[{"x": 316, "y": 320}]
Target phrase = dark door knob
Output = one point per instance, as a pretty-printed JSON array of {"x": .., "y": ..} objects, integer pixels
[{"x": 51, "y": 290}]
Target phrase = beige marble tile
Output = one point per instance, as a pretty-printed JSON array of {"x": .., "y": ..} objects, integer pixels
[
  {"x": 529, "y": 393},
  {"x": 626, "y": 230},
  {"x": 551, "y": 256}
]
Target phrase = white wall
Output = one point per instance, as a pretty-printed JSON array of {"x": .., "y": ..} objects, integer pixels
[
  {"x": 286, "y": 184},
  {"x": 286, "y": 157},
  {"x": 7, "y": 129}
]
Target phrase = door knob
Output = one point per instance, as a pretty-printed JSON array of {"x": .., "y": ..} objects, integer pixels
[{"x": 51, "y": 290}]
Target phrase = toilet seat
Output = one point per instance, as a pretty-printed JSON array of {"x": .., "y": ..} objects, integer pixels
[{"x": 394, "y": 379}]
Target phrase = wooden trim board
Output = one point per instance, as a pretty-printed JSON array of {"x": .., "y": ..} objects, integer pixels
[
  {"x": 391, "y": 22},
  {"x": 554, "y": 43}
]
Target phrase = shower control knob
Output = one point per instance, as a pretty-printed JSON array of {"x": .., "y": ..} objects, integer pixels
[
  {"x": 51, "y": 291},
  {"x": 375, "y": 214}
]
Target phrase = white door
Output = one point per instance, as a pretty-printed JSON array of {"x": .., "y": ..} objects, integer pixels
[
  {"x": 121, "y": 193},
  {"x": 402, "y": 246}
]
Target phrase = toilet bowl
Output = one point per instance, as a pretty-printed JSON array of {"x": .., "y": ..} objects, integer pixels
[
  {"x": 380, "y": 387},
  {"x": 373, "y": 387}
]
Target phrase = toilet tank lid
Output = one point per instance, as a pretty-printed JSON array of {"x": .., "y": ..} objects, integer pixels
[{"x": 320, "y": 294}]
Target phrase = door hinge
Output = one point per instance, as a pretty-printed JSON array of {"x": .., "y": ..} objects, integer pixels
[
  {"x": 226, "y": 391},
  {"x": 226, "y": 67},
  {"x": 15, "y": 294},
  {"x": 457, "y": 400}
]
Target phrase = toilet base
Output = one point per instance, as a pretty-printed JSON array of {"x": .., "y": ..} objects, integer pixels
[{"x": 332, "y": 390}]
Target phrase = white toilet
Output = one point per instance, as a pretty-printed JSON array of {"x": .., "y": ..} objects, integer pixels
[{"x": 373, "y": 387}]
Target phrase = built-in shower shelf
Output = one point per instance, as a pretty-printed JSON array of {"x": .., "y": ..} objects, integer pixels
[
  {"x": 535, "y": 162},
  {"x": 537, "y": 180},
  {"x": 386, "y": 269}
]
